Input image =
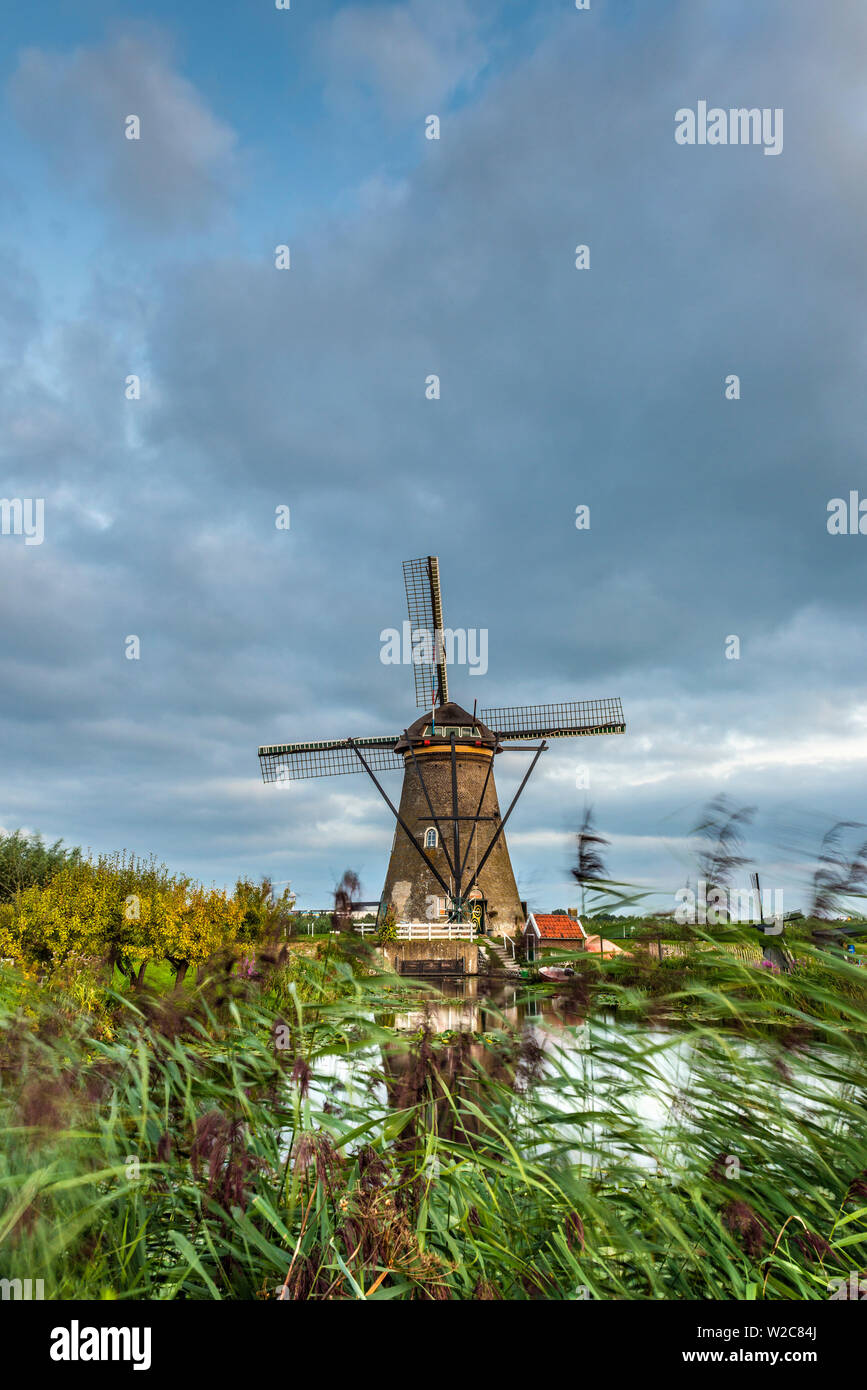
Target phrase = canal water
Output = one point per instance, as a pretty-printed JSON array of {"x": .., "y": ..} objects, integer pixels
[{"x": 608, "y": 1078}]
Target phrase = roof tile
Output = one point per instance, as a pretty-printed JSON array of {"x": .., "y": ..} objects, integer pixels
[{"x": 553, "y": 926}]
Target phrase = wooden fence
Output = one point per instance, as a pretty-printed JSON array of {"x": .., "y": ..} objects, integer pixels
[
  {"x": 663, "y": 950},
  {"x": 427, "y": 931}
]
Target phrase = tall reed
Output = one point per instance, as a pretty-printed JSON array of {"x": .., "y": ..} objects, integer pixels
[{"x": 270, "y": 1138}]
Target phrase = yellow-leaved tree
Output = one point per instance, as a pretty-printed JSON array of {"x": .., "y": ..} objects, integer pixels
[
  {"x": 196, "y": 923},
  {"x": 119, "y": 910},
  {"x": 77, "y": 913}
]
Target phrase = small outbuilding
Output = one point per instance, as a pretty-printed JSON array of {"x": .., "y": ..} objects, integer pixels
[{"x": 543, "y": 930}]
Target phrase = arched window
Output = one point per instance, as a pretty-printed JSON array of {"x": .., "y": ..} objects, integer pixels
[{"x": 431, "y": 838}]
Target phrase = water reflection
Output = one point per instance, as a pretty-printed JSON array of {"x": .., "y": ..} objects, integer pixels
[
  {"x": 626, "y": 1091},
  {"x": 497, "y": 1031},
  {"x": 473, "y": 1005},
  {"x": 617, "y": 1096}
]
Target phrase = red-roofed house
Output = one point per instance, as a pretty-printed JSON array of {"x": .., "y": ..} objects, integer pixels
[{"x": 546, "y": 929}]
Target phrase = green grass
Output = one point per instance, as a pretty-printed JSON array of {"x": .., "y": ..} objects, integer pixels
[
  {"x": 201, "y": 1147},
  {"x": 159, "y": 977}
]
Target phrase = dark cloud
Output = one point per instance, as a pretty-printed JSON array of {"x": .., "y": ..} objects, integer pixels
[{"x": 559, "y": 387}]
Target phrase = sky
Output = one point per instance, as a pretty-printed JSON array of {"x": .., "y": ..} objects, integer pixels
[{"x": 265, "y": 388}]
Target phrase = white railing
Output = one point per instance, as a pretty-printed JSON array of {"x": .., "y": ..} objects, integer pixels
[{"x": 429, "y": 931}]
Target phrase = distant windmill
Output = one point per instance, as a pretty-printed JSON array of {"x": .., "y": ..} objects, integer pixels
[{"x": 449, "y": 855}]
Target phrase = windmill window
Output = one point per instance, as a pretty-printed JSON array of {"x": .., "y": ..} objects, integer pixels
[{"x": 431, "y": 838}]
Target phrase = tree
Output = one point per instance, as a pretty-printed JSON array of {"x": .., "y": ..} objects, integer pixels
[
  {"x": 78, "y": 912},
  {"x": 123, "y": 911},
  {"x": 198, "y": 922},
  {"x": 142, "y": 890},
  {"x": 263, "y": 917},
  {"x": 26, "y": 861}
]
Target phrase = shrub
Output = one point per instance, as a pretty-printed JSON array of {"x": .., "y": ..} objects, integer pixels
[{"x": 387, "y": 930}]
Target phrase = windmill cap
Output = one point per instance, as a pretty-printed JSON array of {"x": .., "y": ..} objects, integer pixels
[{"x": 450, "y": 716}]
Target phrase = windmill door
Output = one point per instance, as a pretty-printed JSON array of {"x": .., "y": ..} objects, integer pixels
[{"x": 478, "y": 909}]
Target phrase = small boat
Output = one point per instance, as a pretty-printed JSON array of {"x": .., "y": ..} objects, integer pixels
[{"x": 556, "y": 972}]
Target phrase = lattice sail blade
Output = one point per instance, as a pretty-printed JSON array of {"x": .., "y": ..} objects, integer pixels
[
  {"x": 440, "y": 652},
  {"x": 425, "y": 607},
  {"x": 571, "y": 719},
  {"x": 290, "y": 762}
]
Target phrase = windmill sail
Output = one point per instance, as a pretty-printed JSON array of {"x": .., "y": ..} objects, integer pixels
[
  {"x": 290, "y": 762},
  {"x": 568, "y": 720},
  {"x": 425, "y": 607}
]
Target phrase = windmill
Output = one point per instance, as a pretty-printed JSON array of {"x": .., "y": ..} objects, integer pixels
[{"x": 449, "y": 856}]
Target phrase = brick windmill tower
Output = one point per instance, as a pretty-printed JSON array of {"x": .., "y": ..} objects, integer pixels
[{"x": 449, "y": 857}]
